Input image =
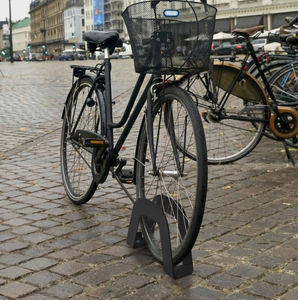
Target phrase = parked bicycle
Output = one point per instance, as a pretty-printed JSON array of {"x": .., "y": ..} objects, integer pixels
[
  {"x": 272, "y": 61},
  {"x": 171, "y": 127},
  {"x": 237, "y": 108}
]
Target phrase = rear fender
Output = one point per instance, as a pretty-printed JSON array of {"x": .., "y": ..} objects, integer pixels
[
  {"x": 71, "y": 92},
  {"x": 247, "y": 87}
]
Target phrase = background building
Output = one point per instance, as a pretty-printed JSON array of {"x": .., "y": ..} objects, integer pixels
[
  {"x": 88, "y": 15},
  {"x": 4, "y": 36},
  {"x": 247, "y": 13},
  {"x": 56, "y": 25},
  {"x": 47, "y": 26},
  {"x": 73, "y": 24},
  {"x": 21, "y": 36}
]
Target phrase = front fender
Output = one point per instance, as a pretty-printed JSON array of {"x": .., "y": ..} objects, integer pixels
[{"x": 72, "y": 90}]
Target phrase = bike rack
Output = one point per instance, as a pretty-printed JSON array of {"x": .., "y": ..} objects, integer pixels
[{"x": 145, "y": 208}]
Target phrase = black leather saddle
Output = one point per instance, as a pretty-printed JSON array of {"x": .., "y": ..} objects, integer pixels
[{"x": 102, "y": 40}]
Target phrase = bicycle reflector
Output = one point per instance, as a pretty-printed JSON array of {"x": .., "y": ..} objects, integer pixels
[
  {"x": 96, "y": 142},
  {"x": 171, "y": 13}
]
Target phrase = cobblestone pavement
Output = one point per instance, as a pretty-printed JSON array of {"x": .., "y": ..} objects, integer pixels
[{"x": 52, "y": 249}]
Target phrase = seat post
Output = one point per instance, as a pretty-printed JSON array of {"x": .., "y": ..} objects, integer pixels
[
  {"x": 108, "y": 96},
  {"x": 107, "y": 53}
]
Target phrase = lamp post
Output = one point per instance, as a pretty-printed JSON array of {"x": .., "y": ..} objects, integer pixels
[{"x": 10, "y": 36}]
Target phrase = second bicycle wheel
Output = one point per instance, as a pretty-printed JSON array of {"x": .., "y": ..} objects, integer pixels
[
  {"x": 233, "y": 124},
  {"x": 179, "y": 183},
  {"x": 76, "y": 159},
  {"x": 284, "y": 85}
]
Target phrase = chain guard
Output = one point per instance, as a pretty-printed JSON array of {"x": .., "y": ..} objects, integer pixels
[{"x": 100, "y": 165}]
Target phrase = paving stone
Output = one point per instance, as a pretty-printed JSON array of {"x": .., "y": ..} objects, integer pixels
[
  {"x": 36, "y": 251},
  {"x": 290, "y": 295},
  {"x": 204, "y": 270},
  {"x": 266, "y": 290},
  {"x": 281, "y": 278},
  {"x": 37, "y": 237},
  {"x": 267, "y": 261},
  {"x": 39, "y": 263},
  {"x": 91, "y": 245},
  {"x": 97, "y": 258},
  {"x": 126, "y": 285},
  {"x": 69, "y": 268},
  {"x": 284, "y": 252},
  {"x": 246, "y": 271},
  {"x": 12, "y": 246},
  {"x": 42, "y": 278},
  {"x": 60, "y": 230},
  {"x": 36, "y": 296},
  {"x": 66, "y": 254},
  {"x": 13, "y": 272},
  {"x": 13, "y": 258},
  {"x": 225, "y": 281},
  {"x": 96, "y": 277},
  {"x": 25, "y": 229},
  {"x": 203, "y": 293},
  {"x": 61, "y": 243},
  {"x": 62, "y": 291},
  {"x": 240, "y": 296},
  {"x": 15, "y": 290},
  {"x": 293, "y": 266},
  {"x": 118, "y": 251}
]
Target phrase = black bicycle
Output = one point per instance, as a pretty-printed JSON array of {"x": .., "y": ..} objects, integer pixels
[
  {"x": 171, "y": 126},
  {"x": 238, "y": 110}
]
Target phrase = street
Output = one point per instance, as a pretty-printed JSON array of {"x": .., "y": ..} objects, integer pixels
[{"x": 51, "y": 249}]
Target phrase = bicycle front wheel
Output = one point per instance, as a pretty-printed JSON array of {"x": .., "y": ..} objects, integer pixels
[
  {"x": 179, "y": 183},
  {"x": 76, "y": 160}
]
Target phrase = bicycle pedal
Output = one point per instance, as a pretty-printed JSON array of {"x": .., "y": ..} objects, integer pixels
[
  {"x": 90, "y": 139},
  {"x": 126, "y": 176}
]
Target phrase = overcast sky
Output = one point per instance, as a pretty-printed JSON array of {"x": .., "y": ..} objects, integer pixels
[{"x": 19, "y": 9}]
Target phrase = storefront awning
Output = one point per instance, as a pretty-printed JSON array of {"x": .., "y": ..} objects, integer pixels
[
  {"x": 246, "y": 22},
  {"x": 279, "y": 19},
  {"x": 222, "y": 25}
]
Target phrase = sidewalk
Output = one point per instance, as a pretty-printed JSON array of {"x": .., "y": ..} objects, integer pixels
[{"x": 52, "y": 249}]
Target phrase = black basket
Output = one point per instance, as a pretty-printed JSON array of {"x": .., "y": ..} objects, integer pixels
[{"x": 170, "y": 36}]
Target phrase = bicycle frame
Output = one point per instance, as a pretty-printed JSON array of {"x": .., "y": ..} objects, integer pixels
[
  {"x": 219, "y": 104},
  {"x": 127, "y": 119}
]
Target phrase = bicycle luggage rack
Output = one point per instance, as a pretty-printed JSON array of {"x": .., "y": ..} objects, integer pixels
[{"x": 146, "y": 208}]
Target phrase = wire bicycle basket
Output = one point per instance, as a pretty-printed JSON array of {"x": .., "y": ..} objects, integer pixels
[{"x": 170, "y": 37}]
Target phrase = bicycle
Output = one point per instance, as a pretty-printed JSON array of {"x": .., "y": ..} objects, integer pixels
[
  {"x": 163, "y": 173},
  {"x": 236, "y": 108},
  {"x": 272, "y": 62}
]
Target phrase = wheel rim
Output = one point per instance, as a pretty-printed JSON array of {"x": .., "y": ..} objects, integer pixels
[
  {"x": 76, "y": 159},
  {"x": 174, "y": 186}
]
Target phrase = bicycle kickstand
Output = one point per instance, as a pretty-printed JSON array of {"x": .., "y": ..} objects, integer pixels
[{"x": 289, "y": 155}]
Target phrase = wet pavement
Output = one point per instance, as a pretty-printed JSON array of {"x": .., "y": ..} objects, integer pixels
[{"x": 51, "y": 249}]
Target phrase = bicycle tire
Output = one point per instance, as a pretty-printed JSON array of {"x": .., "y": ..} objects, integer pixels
[
  {"x": 76, "y": 160},
  {"x": 177, "y": 192},
  {"x": 286, "y": 91},
  {"x": 228, "y": 139}
]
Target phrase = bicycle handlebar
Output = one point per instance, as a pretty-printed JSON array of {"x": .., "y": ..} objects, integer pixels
[{"x": 292, "y": 21}]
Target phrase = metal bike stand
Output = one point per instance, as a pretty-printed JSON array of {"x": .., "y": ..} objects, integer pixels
[{"x": 146, "y": 208}]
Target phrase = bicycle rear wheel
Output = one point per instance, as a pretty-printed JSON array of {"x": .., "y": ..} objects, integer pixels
[
  {"x": 235, "y": 128},
  {"x": 76, "y": 160},
  {"x": 179, "y": 183}
]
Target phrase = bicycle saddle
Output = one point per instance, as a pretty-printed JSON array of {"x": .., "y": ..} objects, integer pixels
[
  {"x": 102, "y": 39},
  {"x": 246, "y": 32}
]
